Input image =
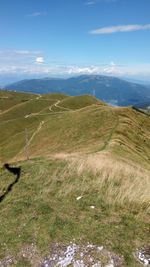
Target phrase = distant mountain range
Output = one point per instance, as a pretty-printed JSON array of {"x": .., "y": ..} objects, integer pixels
[{"x": 109, "y": 89}]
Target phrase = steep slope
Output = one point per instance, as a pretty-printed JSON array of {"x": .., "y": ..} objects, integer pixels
[
  {"x": 72, "y": 125},
  {"x": 30, "y": 114},
  {"x": 109, "y": 89},
  {"x": 83, "y": 188},
  {"x": 123, "y": 132}
]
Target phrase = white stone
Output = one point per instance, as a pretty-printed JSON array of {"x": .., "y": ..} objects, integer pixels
[
  {"x": 100, "y": 248},
  {"x": 146, "y": 262},
  {"x": 97, "y": 264},
  {"x": 78, "y": 264},
  {"x": 69, "y": 256},
  {"x": 111, "y": 264},
  {"x": 90, "y": 246},
  {"x": 78, "y": 198}
]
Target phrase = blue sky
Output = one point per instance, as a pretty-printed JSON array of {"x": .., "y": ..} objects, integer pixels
[{"x": 70, "y": 37}]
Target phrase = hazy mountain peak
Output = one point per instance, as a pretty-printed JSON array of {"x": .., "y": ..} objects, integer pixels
[{"x": 109, "y": 89}]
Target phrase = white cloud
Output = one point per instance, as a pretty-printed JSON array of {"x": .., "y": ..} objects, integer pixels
[
  {"x": 112, "y": 63},
  {"x": 89, "y": 3},
  {"x": 22, "y": 52},
  {"x": 36, "y": 14},
  {"x": 32, "y": 63},
  {"x": 39, "y": 60},
  {"x": 93, "y": 2},
  {"x": 18, "y": 54},
  {"x": 110, "y": 1},
  {"x": 20, "y": 57},
  {"x": 82, "y": 70},
  {"x": 121, "y": 28}
]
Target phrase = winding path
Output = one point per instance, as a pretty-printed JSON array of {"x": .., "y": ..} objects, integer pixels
[{"x": 30, "y": 140}]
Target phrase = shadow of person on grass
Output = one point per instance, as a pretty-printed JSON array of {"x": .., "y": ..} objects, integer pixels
[{"x": 15, "y": 171}]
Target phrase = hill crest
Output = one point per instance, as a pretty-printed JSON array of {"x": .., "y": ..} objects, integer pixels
[
  {"x": 109, "y": 89},
  {"x": 58, "y": 123}
]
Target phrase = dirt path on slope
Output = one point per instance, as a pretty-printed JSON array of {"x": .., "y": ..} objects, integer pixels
[
  {"x": 29, "y": 141},
  {"x": 54, "y": 105},
  {"x": 110, "y": 135},
  {"x": 9, "y": 109},
  {"x": 20, "y": 104}
]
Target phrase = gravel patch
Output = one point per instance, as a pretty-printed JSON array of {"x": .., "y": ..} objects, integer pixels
[
  {"x": 143, "y": 255},
  {"x": 81, "y": 256}
]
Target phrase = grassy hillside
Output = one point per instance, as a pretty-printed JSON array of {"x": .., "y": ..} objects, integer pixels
[
  {"x": 77, "y": 102},
  {"x": 52, "y": 111},
  {"x": 72, "y": 125},
  {"x": 10, "y": 99},
  {"x": 81, "y": 200},
  {"x": 87, "y": 180}
]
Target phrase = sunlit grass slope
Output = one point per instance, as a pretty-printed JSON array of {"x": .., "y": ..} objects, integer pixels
[
  {"x": 87, "y": 179},
  {"x": 18, "y": 112},
  {"x": 55, "y": 96},
  {"x": 9, "y": 99},
  {"x": 77, "y": 102},
  {"x": 85, "y": 130},
  {"x": 94, "y": 129},
  {"x": 29, "y": 114},
  {"x": 90, "y": 198},
  {"x": 58, "y": 123}
]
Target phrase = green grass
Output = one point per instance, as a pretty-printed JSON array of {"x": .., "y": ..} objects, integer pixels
[
  {"x": 26, "y": 108},
  {"x": 86, "y": 130},
  {"x": 54, "y": 96},
  {"x": 14, "y": 122},
  {"x": 107, "y": 153},
  {"x": 42, "y": 208},
  {"x": 10, "y": 99},
  {"x": 13, "y": 138},
  {"x": 77, "y": 124},
  {"x": 77, "y": 102}
]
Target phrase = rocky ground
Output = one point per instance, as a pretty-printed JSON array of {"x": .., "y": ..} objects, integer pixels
[
  {"x": 143, "y": 255},
  {"x": 73, "y": 255}
]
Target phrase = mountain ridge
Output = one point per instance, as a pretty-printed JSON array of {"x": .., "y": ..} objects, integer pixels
[
  {"x": 112, "y": 90},
  {"x": 88, "y": 124}
]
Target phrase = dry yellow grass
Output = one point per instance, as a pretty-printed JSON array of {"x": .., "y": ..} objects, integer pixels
[{"x": 119, "y": 182}]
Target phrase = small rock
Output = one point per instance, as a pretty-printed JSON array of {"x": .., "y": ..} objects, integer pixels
[
  {"x": 100, "y": 248},
  {"x": 78, "y": 264},
  {"x": 78, "y": 198},
  {"x": 111, "y": 264},
  {"x": 91, "y": 259},
  {"x": 97, "y": 264},
  {"x": 143, "y": 255}
]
